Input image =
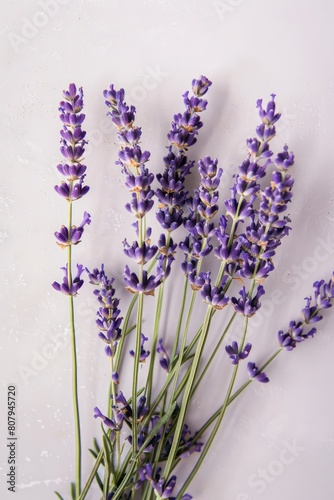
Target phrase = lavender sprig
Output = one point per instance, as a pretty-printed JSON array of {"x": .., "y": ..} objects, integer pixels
[
  {"x": 72, "y": 189},
  {"x": 172, "y": 195}
]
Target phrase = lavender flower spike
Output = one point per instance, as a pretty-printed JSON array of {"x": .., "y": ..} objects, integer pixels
[
  {"x": 297, "y": 332},
  {"x": 108, "y": 320},
  {"x": 72, "y": 145}
]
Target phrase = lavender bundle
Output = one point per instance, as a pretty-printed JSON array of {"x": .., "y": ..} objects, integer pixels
[{"x": 145, "y": 432}]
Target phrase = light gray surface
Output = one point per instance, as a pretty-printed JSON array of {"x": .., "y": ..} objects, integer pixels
[{"x": 249, "y": 49}]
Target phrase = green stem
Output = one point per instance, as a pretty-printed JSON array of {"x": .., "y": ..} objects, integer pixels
[
  {"x": 187, "y": 392},
  {"x": 218, "y": 422},
  {"x": 156, "y": 329},
  {"x": 183, "y": 345},
  {"x": 74, "y": 366},
  {"x": 179, "y": 323},
  {"x": 154, "y": 343},
  {"x": 125, "y": 332},
  {"x": 207, "y": 365},
  {"x": 92, "y": 475},
  {"x": 135, "y": 373}
]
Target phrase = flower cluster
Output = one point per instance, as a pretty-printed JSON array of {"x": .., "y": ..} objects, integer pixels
[
  {"x": 131, "y": 158},
  {"x": 72, "y": 145},
  {"x": 249, "y": 254},
  {"x": 121, "y": 412},
  {"x": 172, "y": 195},
  {"x": 70, "y": 286},
  {"x": 298, "y": 330},
  {"x": 202, "y": 207},
  {"x": 72, "y": 148},
  {"x": 108, "y": 320},
  {"x": 138, "y": 179}
]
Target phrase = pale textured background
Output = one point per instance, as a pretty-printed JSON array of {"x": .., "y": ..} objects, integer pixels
[{"x": 249, "y": 49}]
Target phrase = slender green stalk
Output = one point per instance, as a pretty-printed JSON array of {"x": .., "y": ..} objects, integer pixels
[
  {"x": 207, "y": 365},
  {"x": 74, "y": 367},
  {"x": 212, "y": 435},
  {"x": 154, "y": 343},
  {"x": 187, "y": 392},
  {"x": 125, "y": 331},
  {"x": 135, "y": 373},
  {"x": 92, "y": 475},
  {"x": 156, "y": 329},
  {"x": 218, "y": 422},
  {"x": 183, "y": 344},
  {"x": 180, "y": 320}
]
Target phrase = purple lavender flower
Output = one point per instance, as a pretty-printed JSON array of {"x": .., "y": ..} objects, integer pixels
[
  {"x": 133, "y": 157},
  {"x": 72, "y": 145},
  {"x": 142, "y": 409},
  {"x": 202, "y": 207},
  {"x": 269, "y": 115},
  {"x": 169, "y": 220},
  {"x": 267, "y": 228},
  {"x": 246, "y": 305},
  {"x": 227, "y": 250},
  {"x": 130, "y": 156},
  {"x": 258, "y": 149},
  {"x": 142, "y": 254},
  {"x": 143, "y": 353},
  {"x": 164, "y": 358},
  {"x": 200, "y": 86},
  {"x": 140, "y": 205},
  {"x": 172, "y": 195},
  {"x": 244, "y": 192},
  {"x": 165, "y": 249},
  {"x": 215, "y": 295},
  {"x": 72, "y": 237},
  {"x": 108, "y": 320},
  {"x": 70, "y": 288},
  {"x": 107, "y": 421},
  {"x": 284, "y": 160},
  {"x": 73, "y": 171},
  {"x": 322, "y": 299},
  {"x": 255, "y": 268},
  {"x": 323, "y": 293},
  {"x": 72, "y": 191},
  {"x": 234, "y": 354},
  {"x": 256, "y": 374},
  {"x": 197, "y": 280},
  {"x": 123, "y": 412},
  {"x": 236, "y": 210},
  {"x": 147, "y": 284}
]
